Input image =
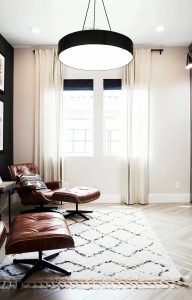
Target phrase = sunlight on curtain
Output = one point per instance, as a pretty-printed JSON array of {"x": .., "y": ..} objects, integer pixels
[
  {"x": 48, "y": 107},
  {"x": 136, "y": 129}
]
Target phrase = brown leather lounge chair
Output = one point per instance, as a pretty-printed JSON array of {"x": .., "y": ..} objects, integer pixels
[
  {"x": 36, "y": 232},
  {"x": 30, "y": 195}
]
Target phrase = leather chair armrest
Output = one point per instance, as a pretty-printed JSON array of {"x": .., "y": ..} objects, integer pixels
[
  {"x": 53, "y": 185},
  {"x": 29, "y": 195}
]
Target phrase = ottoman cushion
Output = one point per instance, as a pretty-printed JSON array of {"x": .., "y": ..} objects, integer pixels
[
  {"x": 77, "y": 194},
  {"x": 37, "y": 232}
]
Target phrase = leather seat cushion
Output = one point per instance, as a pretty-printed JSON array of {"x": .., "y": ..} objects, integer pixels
[
  {"x": 37, "y": 232},
  {"x": 77, "y": 194},
  {"x": 3, "y": 233},
  {"x": 18, "y": 169}
]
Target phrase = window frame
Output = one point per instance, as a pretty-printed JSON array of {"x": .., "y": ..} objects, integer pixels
[{"x": 73, "y": 85}]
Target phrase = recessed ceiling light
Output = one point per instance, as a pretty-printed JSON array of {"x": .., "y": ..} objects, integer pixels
[
  {"x": 160, "y": 28},
  {"x": 35, "y": 29}
]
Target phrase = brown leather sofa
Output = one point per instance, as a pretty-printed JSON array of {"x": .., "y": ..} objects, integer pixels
[
  {"x": 37, "y": 232},
  {"x": 30, "y": 196}
]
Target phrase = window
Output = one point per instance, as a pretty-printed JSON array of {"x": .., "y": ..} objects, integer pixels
[
  {"x": 78, "y": 117},
  {"x": 112, "y": 116}
]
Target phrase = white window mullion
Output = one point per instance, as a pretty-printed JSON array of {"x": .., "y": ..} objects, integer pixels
[
  {"x": 98, "y": 120},
  {"x": 112, "y": 122}
]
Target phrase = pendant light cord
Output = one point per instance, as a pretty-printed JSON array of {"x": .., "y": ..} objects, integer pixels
[
  {"x": 86, "y": 15},
  {"x": 106, "y": 14},
  {"x": 94, "y": 14}
]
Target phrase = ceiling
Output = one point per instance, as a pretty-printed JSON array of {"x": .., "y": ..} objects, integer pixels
[{"x": 134, "y": 18}]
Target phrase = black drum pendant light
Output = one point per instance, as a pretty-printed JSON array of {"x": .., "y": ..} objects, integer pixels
[{"x": 95, "y": 49}]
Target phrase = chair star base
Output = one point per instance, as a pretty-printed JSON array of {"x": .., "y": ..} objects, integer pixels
[
  {"x": 41, "y": 208},
  {"x": 39, "y": 264},
  {"x": 81, "y": 213}
]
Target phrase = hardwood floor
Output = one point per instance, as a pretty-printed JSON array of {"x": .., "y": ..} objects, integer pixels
[{"x": 173, "y": 225}]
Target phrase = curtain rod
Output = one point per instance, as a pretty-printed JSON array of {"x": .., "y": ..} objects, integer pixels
[
  {"x": 152, "y": 50},
  {"x": 39, "y": 49},
  {"x": 157, "y": 50}
]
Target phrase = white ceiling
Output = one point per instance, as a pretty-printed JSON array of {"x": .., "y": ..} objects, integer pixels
[{"x": 134, "y": 18}]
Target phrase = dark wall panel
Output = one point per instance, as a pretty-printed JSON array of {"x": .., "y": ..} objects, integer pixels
[
  {"x": 191, "y": 134},
  {"x": 6, "y": 156}
]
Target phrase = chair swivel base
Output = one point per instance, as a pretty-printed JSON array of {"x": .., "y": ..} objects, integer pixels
[
  {"x": 40, "y": 208},
  {"x": 39, "y": 264},
  {"x": 81, "y": 213}
]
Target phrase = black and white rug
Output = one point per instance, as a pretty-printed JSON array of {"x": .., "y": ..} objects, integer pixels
[{"x": 114, "y": 248}]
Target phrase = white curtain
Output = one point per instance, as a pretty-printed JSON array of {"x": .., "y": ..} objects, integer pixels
[
  {"x": 135, "y": 149},
  {"x": 48, "y": 108}
]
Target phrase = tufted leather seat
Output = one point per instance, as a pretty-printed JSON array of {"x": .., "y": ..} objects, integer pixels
[
  {"x": 37, "y": 232},
  {"x": 78, "y": 194},
  {"x": 18, "y": 169}
]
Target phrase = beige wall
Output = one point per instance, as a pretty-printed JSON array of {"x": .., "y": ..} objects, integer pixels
[
  {"x": 169, "y": 129},
  {"x": 169, "y": 123},
  {"x": 23, "y": 105}
]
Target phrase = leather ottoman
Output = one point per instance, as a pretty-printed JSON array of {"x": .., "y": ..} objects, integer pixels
[
  {"x": 37, "y": 232},
  {"x": 77, "y": 195}
]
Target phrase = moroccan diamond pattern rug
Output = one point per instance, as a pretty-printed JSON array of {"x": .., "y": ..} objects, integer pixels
[{"x": 113, "y": 249}]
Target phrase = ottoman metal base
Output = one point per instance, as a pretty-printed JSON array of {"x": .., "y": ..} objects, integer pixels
[
  {"x": 73, "y": 212},
  {"x": 39, "y": 264}
]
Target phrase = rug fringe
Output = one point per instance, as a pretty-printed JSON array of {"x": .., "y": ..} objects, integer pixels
[{"x": 96, "y": 285}]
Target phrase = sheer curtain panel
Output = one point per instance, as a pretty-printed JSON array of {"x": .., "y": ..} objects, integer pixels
[
  {"x": 48, "y": 110},
  {"x": 135, "y": 148}
]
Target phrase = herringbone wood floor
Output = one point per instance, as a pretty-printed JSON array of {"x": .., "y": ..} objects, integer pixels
[{"x": 173, "y": 224}]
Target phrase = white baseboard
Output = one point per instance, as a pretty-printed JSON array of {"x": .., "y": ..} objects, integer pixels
[
  {"x": 116, "y": 198},
  {"x": 109, "y": 198},
  {"x": 153, "y": 198},
  {"x": 169, "y": 198}
]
